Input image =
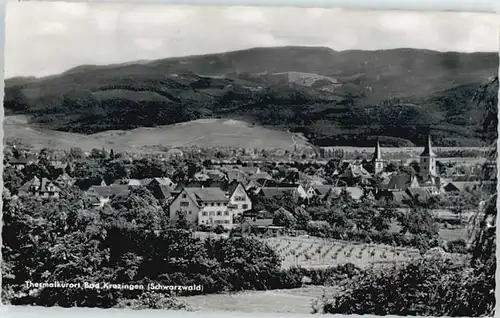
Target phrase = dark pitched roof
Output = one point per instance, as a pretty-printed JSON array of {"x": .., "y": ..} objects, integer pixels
[
  {"x": 378, "y": 152},
  {"x": 400, "y": 196},
  {"x": 166, "y": 190},
  {"x": 400, "y": 182},
  {"x": 163, "y": 181},
  {"x": 207, "y": 194},
  {"x": 323, "y": 189},
  {"x": 249, "y": 170},
  {"x": 261, "y": 222},
  {"x": 419, "y": 194},
  {"x": 428, "y": 152},
  {"x": 41, "y": 184},
  {"x": 277, "y": 191},
  {"x": 109, "y": 191},
  {"x": 238, "y": 176},
  {"x": 261, "y": 176},
  {"x": 21, "y": 160}
]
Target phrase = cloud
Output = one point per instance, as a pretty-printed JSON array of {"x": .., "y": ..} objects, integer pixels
[{"x": 43, "y": 38}]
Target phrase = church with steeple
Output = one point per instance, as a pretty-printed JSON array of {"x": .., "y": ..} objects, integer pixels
[
  {"x": 428, "y": 160},
  {"x": 428, "y": 173},
  {"x": 377, "y": 161}
]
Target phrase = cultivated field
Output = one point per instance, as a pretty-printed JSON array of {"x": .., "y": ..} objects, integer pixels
[
  {"x": 206, "y": 133},
  {"x": 317, "y": 253}
]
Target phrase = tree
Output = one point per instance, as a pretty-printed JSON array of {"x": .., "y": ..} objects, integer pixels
[
  {"x": 302, "y": 218},
  {"x": 98, "y": 154},
  {"x": 76, "y": 153},
  {"x": 283, "y": 217},
  {"x": 12, "y": 179},
  {"x": 139, "y": 208},
  {"x": 418, "y": 221}
]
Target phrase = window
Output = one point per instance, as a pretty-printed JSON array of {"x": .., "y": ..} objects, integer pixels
[
  {"x": 226, "y": 213},
  {"x": 245, "y": 206},
  {"x": 218, "y": 203},
  {"x": 219, "y": 213},
  {"x": 225, "y": 204},
  {"x": 212, "y": 213},
  {"x": 184, "y": 196},
  {"x": 184, "y": 203},
  {"x": 212, "y": 204},
  {"x": 226, "y": 221},
  {"x": 204, "y": 213},
  {"x": 189, "y": 212}
]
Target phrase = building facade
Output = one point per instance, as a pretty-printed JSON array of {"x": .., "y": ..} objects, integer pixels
[
  {"x": 239, "y": 201},
  {"x": 428, "y": 160},
  {"x": 202, "y": 206}
]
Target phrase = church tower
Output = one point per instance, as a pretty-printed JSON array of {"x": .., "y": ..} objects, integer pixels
[
  {"x": 428, "y": 160},
  {"x": 378, "y": 162}
]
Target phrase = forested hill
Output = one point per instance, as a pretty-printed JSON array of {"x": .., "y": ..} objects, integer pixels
[{"x": 334, "y": 98}]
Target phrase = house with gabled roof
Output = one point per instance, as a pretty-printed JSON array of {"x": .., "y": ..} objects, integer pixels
[
  {"x": 401, "y": 182},
  {"x": 164, "y": 181},
  {"x": 161, "y": 192},
  {"x": 202, "y": 206},
  {"x": 460, "y": 186},
  {"x": 21, "y": 162},
  {"x": 296, "y": 191},
  {"x": 262, "y": 175},
  {"x": 238, "y": 176},
  {"x": 250, "y": 171},
  {"x": 42, "y": 188},
  {"x": 261, "y": 226},
  {"x": 239, "y": 200},
  {"x": 102, "y": 194},
  {"x": 419, "y": 195},
  {"x": 327, "y": 192},
  {"x": 64, "y": 181}
]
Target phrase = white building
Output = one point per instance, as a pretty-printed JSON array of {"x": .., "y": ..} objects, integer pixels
[
  {"x": 202, "y": 206},
  {"x": 239, "y": 201}
]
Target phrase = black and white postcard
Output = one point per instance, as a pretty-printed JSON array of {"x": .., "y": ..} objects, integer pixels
[{"x": 250, "y": 159}]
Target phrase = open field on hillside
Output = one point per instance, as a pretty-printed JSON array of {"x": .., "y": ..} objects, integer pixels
[
  {"x": 206, "y": 133},
  {"x": 296, "y": 301},
  {"x": 318, "y": 253},
  {"x": 202, "y": 132}
]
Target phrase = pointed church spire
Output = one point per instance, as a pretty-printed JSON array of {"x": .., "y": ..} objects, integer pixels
[
  {"x": 378, "y": 153},
  {"x": 428, "y": 152}
]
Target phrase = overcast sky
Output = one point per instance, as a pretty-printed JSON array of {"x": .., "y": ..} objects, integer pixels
[{"x": 44, "y": 38}]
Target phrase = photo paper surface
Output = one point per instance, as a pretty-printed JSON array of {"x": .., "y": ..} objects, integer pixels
[{"x": 250, "y": 159}]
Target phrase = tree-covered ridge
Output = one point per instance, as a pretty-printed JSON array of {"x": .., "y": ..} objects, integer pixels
[{"x": 337, "y": 98}]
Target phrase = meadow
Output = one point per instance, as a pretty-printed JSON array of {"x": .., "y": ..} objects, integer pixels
[
  {"x": 293, "y": 301},
  {"x": 203, "y": 133}
]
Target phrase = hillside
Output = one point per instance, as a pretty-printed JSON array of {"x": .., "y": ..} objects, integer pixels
[
  {"x": 207, "y": 133},
  {"x": 333, "y": 98}
]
